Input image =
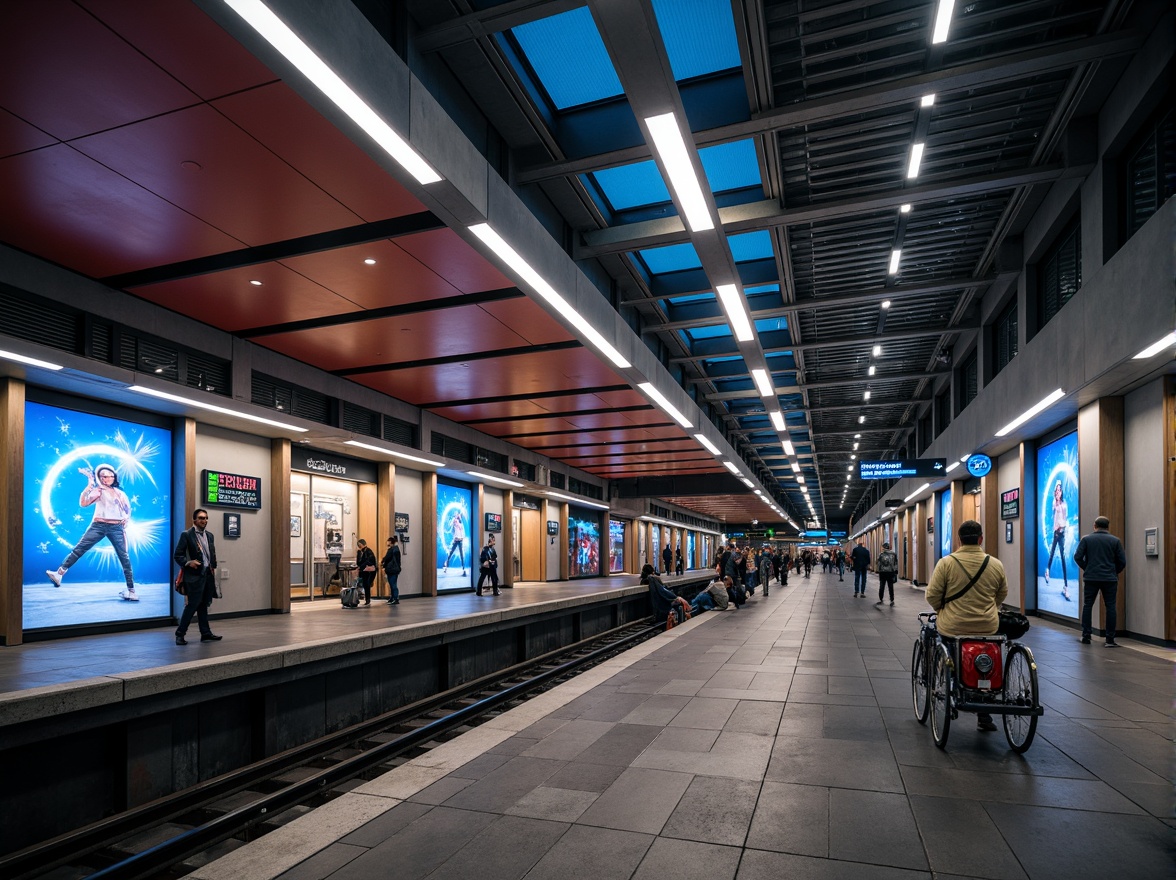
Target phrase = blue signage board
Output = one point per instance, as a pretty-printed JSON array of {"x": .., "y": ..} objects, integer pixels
[
  {"x": 978, "y": 465},
  {"x": 897, "y": 469}
]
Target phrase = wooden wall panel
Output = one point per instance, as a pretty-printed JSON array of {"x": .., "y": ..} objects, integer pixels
[
  {"x": 12, "y": 400},
  {"x": 279, "y": 502}
]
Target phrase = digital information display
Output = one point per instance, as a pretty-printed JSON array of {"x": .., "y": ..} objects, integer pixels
[
  {"x": 494, "y": 522},
  {"x": 895, "y": 470},
  {"x": 231, "y": 490}
]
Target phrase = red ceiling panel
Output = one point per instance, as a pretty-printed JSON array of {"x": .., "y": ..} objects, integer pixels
[
  {"x": 530, "y": 319},
  {"x": 455, "y": 261},
  {"x": 395, "y": 279},
  {"x": 235, "y": 184},
  {"x": 670, "y": 431},
  {"x": 295, "y": 131},
  {"x": 227, "y": 299},
  {"x": 58, "y": 204},
  {"x": 505, "y": 409},
  {"x": 652, "y": 458},
  {"x": 537, "y": 373},
  {"x": 589, "y": 448},
  {"x": 69, "y": 75},
  {"x": 181, "y": 39},
  {"x": 403, "y": 340},
  {"x": 17, "y": 136}
]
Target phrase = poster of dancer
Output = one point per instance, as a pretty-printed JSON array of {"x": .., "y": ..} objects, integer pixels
[
  {"x": 455, "y": 516},
  {"x": 97, "y": 518},
  {"x": 1057, "y": 527},
  {"x": 583, "y": 543}
]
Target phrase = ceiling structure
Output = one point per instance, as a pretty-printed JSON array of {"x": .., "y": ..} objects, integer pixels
[{"x": 144, "y": 146}]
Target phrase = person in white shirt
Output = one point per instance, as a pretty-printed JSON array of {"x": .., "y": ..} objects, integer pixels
[{"x": 112, "y": 512}]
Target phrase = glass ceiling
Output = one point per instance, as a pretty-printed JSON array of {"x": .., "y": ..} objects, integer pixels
[{"x": 547, "y": 45}]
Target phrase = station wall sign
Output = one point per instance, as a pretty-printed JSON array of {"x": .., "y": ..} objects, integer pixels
[
  {"x": 494, "y": 522},
  {"x": 231, "y": 490},
  {"x": 400, "y": 522},
  {"x": 1010, "y": 504},
  {"x": 978, "y": 465},
  {"x": 897, "y": 469}
]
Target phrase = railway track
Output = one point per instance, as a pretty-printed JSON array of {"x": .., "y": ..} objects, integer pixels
[{"x": 174, "y": 835}]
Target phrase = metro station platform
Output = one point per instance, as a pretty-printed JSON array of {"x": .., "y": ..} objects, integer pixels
[{"x": 773, "y": 741}]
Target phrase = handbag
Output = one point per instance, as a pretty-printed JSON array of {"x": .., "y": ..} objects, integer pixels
[
  {"x": 180, "y": 588},
  {"x": 1013, "y": 624}
]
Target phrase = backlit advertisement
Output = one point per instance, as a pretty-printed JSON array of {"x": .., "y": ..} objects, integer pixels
[
  {"x": 1057, "y": 527},
  {"x": 583, "y": 543},
  {"x": 655, "y": 545},
  {"x": 97, "y": 519},
  {"x": 946, "y": 535},
  {"x": 616, "y": 545},
  {"x": 455, "y": 516},
  {"x": 688, "y": 562}
]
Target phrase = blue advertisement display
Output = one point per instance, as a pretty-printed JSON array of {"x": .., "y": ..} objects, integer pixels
[
  {"x": 655, "y": 541},
  {"x": 945, "y": 524},
  {"x": 455, "y": 515},
  {"x": 688, "y": 562},
  {"x": 616, "y": 545},
  {"x": 97, "y": 519},
  {"x": 1057, "y": 527},
  {"x": 583, "y": 543}
]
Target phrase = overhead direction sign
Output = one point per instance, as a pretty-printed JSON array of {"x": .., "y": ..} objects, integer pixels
[{"x": 897, "y": 469}]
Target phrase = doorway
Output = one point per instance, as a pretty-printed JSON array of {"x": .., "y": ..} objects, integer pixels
[{"x": 531, "y": 544}]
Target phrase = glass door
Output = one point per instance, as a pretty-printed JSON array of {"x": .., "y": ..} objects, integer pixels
[{"x": 300, "y": 532}]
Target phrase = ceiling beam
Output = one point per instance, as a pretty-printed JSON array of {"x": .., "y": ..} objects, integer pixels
[
  {"x": 839, "y": 342},
  {"x": 998, "y": 69},
  {"x": 487, "y": 22},
  {"x": 831, "y": 383}
]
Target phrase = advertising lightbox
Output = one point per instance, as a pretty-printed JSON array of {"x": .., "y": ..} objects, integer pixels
[
  {"x": 1057, "y": 527},
  {"x": 583, "y": 543},
  {"x": 455, "y": 513}
]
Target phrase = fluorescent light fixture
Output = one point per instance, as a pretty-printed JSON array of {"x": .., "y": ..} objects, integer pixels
[
  {"x": 877, "y": 351},
  {"x": 583, "y": 501},
  {"x": 951, "y": 467},
  {"x": 200, "y": 404},
  {"x": 510, "y": 256},
  {"x": 861, "y": 420},
  {"x": 747, "y": 482},
  {"x": 736, "y": 314},
  {"x": 660, "y": 399},
  {"x": 916, "y": 159},
  {"x": 853, "y": 455},
  {"x": 395, "y": 454},
  {"x": 872, "y": 370},
  {"x": 667, "y": 140},
  {"x": 942, "y": 21},
  {"x": 279, "y": 35},
  {"x": 758, "y": 492},
  {"x": 1053, "y": 397},
  {"x": 866, "y": 396},
  {"x": 732, "y": 467},
  {"x": 905, "y": 209},
  {"x": 795, "y": 467},
  {"x": 762, "y": 381},
  {"x": 800, "y": 480},
  {"x": 895, "y": 256},
  {"x": 778, "y": 419},
  {"x": 32, "y": 362},
  {"x": 707, "y": 445},
  {"x": 927, "y": 100},
  {"x": 885, "y": 304},
  {"x": 857, "y": 436},
  {"x": 917, "y": 491},
  {"x": 1156, "y": 347},
  {"x": 789, "y": 449},
  {"x": 494, "y": 479},
  {"x": 855, "y": 446}
]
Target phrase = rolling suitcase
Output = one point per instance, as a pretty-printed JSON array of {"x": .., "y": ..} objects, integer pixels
[{"x": 350, "y": 596}]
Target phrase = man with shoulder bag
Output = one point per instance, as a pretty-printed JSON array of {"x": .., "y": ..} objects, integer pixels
[
  {"x": 887, "y": 567},
  {"x": 966, "y": 591},
  {"x": 196, "y": 555}
]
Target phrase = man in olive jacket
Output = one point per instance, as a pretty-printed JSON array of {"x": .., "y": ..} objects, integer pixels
[{"x": 975, "y": 612}]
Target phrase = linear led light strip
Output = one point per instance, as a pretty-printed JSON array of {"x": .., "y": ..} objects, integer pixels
[
  {"x": 29, "y": 361},
  {"x": 762, "y": 381},
  {"x": 278, "y": 34},
  {"x": 778, "y": 419},
  {"x": 942, "y": 21},
  {"x": 211, "y": 407},
  {"x": 576, "y": 500},
  {"x": 494, "y": 479},
  {"x": 1156, "y": 347},
  {"x": 736, "y": 314},
  {"x": 671, "y": 148},
  {"x": 1053, "y": 397},
  {"x": 916, "y": 492},
  {"x": 661, "y": 400},
  {"x": 710, "y": 447},
  {"x": 536, "y": 282},
  {"x": 395, "y": 454}
]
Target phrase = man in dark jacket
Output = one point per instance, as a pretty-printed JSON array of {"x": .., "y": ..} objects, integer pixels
[
  {"x": 667, "y": 559},
  {"x": 196, "y": 555},
  {"x": 488, "y": 562},
  {"x": 661, "y": 597},
  {"x": 1100, "y": 556},
  {"x": 365, "y": 562},
  {"x": 861, "y": 564}
]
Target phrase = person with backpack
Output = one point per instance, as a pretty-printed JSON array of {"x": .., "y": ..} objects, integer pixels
[{"x": 887, "y": 567}]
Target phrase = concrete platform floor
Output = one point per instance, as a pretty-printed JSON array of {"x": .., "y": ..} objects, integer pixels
[
  {"x": 61, "y": 661},
  {"x": 774, "y": 741}
]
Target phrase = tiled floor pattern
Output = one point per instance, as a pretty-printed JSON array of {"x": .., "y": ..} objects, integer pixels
[{"x": 776, "y": 741}]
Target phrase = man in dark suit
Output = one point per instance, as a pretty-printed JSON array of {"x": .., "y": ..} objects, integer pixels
[{"x": 196, "y": 555}]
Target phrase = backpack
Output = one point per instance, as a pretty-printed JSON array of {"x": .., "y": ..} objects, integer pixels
[
  {"x": 349, "y": 596},
  {"x": 887, "y": 562}
]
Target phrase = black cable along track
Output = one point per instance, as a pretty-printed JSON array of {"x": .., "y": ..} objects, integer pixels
[{"x": 417, "y": 727}]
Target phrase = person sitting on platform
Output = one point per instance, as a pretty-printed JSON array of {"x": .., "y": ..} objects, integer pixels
[
  {"x": 662, "y": 597},
  {"x": 717, "y": 589}
]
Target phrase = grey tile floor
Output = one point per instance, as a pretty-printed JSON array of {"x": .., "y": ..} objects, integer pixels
[{"x": 778, "y": 741}]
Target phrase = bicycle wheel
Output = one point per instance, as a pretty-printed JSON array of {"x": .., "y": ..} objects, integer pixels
[
  {"x": 919, "y": 680},
  {"x": 1020, "y": 689},
  {"x": 941, "y": 691}
]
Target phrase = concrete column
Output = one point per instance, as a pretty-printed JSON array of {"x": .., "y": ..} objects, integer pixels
[{"x": 428, "y": 534}]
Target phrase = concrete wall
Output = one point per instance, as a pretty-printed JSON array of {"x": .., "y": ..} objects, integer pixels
[
  {"x": 409, "y": 498},
  {"x": 244, "y": 563},
  {"x": 1143, "y": 412}
]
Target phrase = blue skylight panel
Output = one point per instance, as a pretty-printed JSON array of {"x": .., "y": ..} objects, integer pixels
[
  {"x": 699, "y": 36},
  {"x": 672, "y": 258},
  {"x": 769, "y": 325},
  {"x": 713, "y": 332},
  {"x": 751, "y": 246},
  {"x": 631, "y": 186},
  {"x": 550, "y": 43},
  {"x": 731, "y": 166}
]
